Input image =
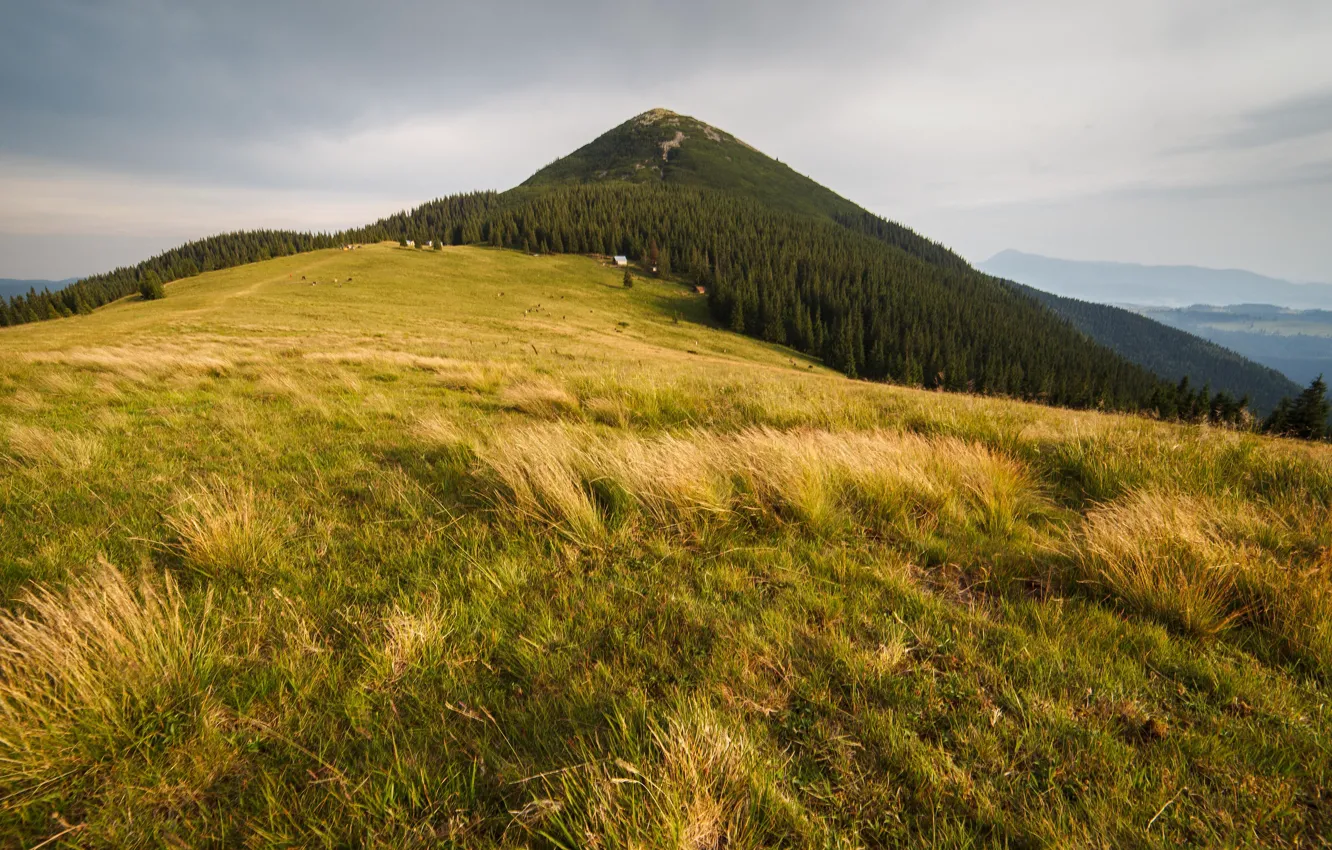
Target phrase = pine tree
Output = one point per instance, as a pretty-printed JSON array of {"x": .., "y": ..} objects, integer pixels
[
  {"x": 1308, "y": 414},
  {"x": 1278, "y": 421},
  {"x": 150, "y": 287},
  {"x": 628, "y": 279}
]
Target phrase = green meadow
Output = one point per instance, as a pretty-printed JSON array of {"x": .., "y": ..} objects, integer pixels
[{"x": 471, "y": 548}]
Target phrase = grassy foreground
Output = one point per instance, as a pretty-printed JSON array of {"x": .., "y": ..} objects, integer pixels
[{"x": 476, "y": 549}]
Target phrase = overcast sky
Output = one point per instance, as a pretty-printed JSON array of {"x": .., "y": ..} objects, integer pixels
[{"x": 1159, "y": 131}]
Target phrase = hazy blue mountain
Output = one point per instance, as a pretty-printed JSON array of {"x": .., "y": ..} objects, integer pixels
[
  {"x": 1297, "y": 343},
  {"x": 14, "y": 286},
  {"x": 1156, "y": 286},
  {"x": 1170, "y": 351}
]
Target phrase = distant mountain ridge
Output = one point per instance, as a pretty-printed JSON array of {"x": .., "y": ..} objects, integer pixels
[
  {"x": 17, "y": 286},
  {"x": 1154, "y": 286}
]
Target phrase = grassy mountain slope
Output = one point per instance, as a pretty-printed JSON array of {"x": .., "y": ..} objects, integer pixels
[
  {"x": 1172, "y": 353},
  {"x": 866, "y": 308},
  {"x": 395, "y": 548}
]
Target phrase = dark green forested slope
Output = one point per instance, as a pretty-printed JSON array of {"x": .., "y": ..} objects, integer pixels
[
  {"x": 661, "y": 146},
  {"x": 1171, "y": 353}
]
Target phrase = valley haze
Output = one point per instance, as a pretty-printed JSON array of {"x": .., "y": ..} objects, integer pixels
[{"x": 1155, "y": 286}]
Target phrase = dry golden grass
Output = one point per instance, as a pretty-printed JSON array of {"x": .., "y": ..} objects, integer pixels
[
  {"x": 56, "y": 383},
  {"x": 144, "y": 362},
  {"x": 39, "y": 447},
  {"x": 223, "y": 528},
  {"x": 698, "y": 784},
  {"x": 453, "y": 373},
  {"x": 531, "y": 473},
  {"x": 412, "y": 638},
  {"x": 1205, "y": 564},
  {"x": 540, "y": 398},
  {"x": 79, "y": 671},
  {"x": 280, "y": 384},
  {"x": 569, "y": 476},
  {"x": 1164, "y": 554},
  {"x": 438, "y": 430}
]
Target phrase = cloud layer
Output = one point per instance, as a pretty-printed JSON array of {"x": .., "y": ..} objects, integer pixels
[{"x": 1190, "y": 131}]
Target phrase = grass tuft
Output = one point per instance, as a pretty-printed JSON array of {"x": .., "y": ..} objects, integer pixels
[
  {"x": 691, "y": 781},
  {"x": 1161, "y": 554},
  {"x": 91, "y": 673},
  {"x": 43, "y": 448},
  {"x": 542, "y": 399},
  {"x": 224, "y": 529}
]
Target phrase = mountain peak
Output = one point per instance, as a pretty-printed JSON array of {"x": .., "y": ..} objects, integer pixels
[
  {"x": 661, "y": 145},
  {"x": 656, "y": 116}
]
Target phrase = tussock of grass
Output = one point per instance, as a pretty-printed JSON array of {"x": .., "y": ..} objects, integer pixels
[
  {"x": 691, "y": 782},
  {"x": 223, "y": 528},
  {"x": 1162, "y": 555},
  {"x": 437, "y": 430},
  {"x": 40, "y": 448},
  {"x": 532, "y": 474},
  {"x": 543, "y": 399},
  {"x": 1204, "y": 565},
  {"x": 412, "y": 638},
  {"x": 87, "y": 673},
  {"x": 890, "y": 483}
]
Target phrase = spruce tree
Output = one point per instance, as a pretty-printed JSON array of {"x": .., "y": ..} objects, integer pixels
[
  {"x": 737, "y": 316},
  {"x": 1308, "y": 415},
  {"x": 628, "y": 279},
  {"x": 150, "y": 287}
]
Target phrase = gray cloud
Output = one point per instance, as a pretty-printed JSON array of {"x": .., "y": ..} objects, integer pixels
[
  {"x": 1294, "y": 119},
  {"x": 177, "y": 86}
]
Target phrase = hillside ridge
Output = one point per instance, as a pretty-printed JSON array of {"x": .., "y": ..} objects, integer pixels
[{"x": 783, "y": 259}]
